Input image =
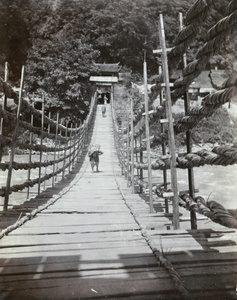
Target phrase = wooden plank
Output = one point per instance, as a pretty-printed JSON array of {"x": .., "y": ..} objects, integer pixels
[
  {"x": 78, "y": 288},
  {"x": 75, "y": 229},
  {"x": 159, "y": 51},
  {"x": 58, "y": 270}
]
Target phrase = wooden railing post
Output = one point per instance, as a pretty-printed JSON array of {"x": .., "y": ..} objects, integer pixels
[
  {"x": 165, "y": 182},
  {"x": 122, "y": 151},
  {"x": 148, "y": 136},
  {"x": 60, "y": 133},
  {"x": 79, "y": 142},
  {"x": 191, "y": 183},
  {"x": 31, "y": 143},
  {"x": 13, "y": 147},
  {"x": 128, "y": 158},
  {"x": 41, "y": 144},
  {"x": 45, "y": 169},
  {"x": 171, "y": 128},
  {"x": 70, "y": 150},
  {"x": 132, "y": 148},
  {"x": 74, "y": 147},
  {"x": 55, "y": 147},
  {"x": 65, "y": 152},
  {"x": 141, "y": 161},
  {"x": 3, "y": 108}
]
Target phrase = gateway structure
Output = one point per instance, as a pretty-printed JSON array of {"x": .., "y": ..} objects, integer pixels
[{"x": 106, "y": 80}]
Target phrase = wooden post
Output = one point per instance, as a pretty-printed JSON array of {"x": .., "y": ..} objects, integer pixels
[
  {"x": 45, "y": 169},
  {"x": 70, "y": 150},
  {"x": 148, "y": 135},
  {"x": 3, "y": 108},
  {"x": 13, "y": 147},
  {"x": 164, "y": 151},
  {"x": 54, "y": 155},
  {"x": 74, "y": 147},
  {"x": 31, "y": 143},
  {"x": 79, "y": 142},
  {"x": 121, "y": 146},
  {"x": 171, "y": 128},
  {"x": 60, "y": 133},
  {"x": 132, "y": 148},
  {"x": 65, "y": 151},
  {"x": 41, "y": 144},
  {"x": 191, "y": 183},
  {"x": 141, "y": 161},
  {"x": 128, "y": 142}
]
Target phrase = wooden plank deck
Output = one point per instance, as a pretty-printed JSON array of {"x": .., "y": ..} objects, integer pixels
[
  {"x": 95, "y": 243},
  {"x": 87, "y": 245}
]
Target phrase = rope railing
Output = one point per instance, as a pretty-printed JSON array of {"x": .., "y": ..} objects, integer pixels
[
  {"x": 222, "y": 156},
  {"x": 211, "y": 209},
  {"x": 62, "y": 145}
]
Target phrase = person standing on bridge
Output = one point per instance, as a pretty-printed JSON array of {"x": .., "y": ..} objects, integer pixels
[
  {"x": 94, "y": 154},
  {"x": 104, "y": 107}
]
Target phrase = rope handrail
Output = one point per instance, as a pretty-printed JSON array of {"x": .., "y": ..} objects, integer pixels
[
  {"x": 70, "y": 144},
  {"x": 211, "y": 209},
  {"x": 7, "y": 89}
]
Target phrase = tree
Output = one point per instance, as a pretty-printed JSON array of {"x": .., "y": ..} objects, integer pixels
[
  {"x": 60, "y": 70},
  {"x": 14, "y": 36}
]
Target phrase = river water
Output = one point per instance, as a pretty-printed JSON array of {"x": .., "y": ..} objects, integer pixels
[{"x": 214, "y": 182}]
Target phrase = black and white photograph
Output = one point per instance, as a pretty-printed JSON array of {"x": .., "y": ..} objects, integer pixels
[{"x": 118, "y": 149}]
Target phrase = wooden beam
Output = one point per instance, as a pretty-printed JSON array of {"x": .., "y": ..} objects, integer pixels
[
  {"x": 159, "y": 51},
  {"x": 163, "y": 121},
  {"x": 164, "y": 84},
  {"x": 149, "y": 112},
  {"x": 168, "y": 194}
]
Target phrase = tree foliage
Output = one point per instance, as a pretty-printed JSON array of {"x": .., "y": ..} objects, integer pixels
[{"x": 59, "y": 40}]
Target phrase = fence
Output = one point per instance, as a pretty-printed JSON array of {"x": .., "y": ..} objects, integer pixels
[
  {"x": 130, "y": 141},
  {"x": 60, "y": 144}
]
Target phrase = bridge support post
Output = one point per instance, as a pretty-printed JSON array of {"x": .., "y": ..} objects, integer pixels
[
  {"x": 148, "y": 136},
  {"x": 31, "y": 143},
  {"x": 128, "y": 156},
  {"x": 3, "y": 108},
  {"x": 132, "y": 148},
  {"x": 13, "y": 147},
  {"x": 170, "y": 122},
  {"x": 191, "y": 183},
  {"x": 65, "y": 152},
  {"x": 41, "y": 144},
  {"x": 55, "y": 147},
  {"x": 141, "y": 161}
]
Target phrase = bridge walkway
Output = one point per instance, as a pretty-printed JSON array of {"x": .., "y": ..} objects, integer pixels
[{"x": 87, "y": 245}]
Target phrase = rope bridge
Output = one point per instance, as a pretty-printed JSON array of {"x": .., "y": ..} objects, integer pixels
[
  {"x": 67, "y": 142},
  {"x": 62, "y": 145}
]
